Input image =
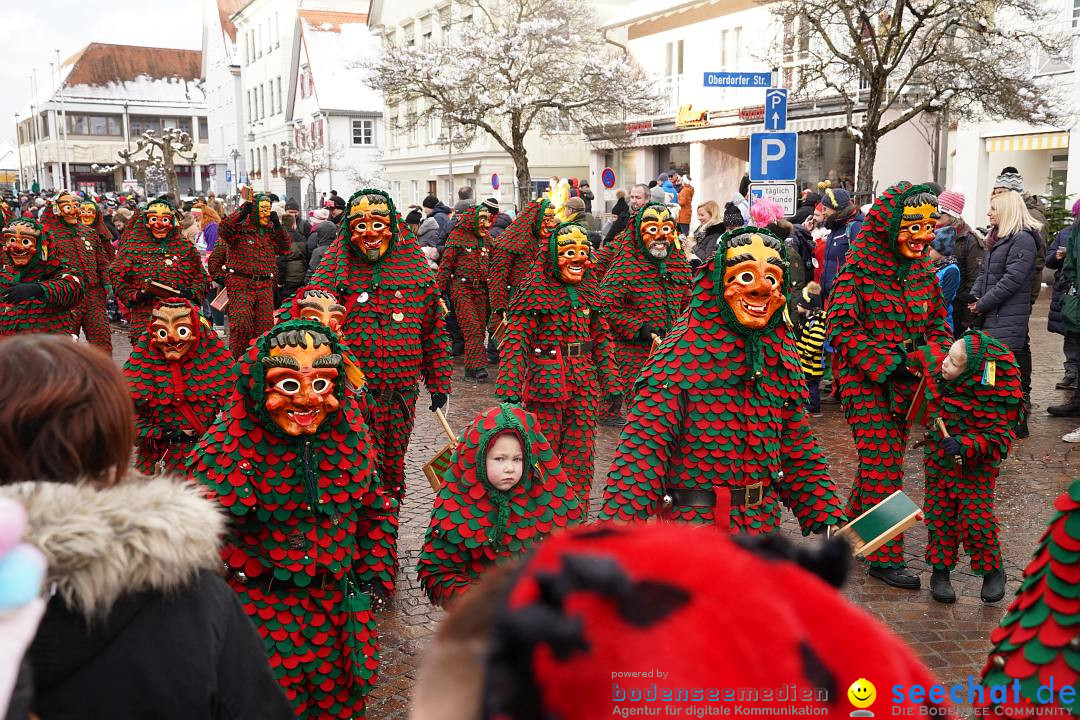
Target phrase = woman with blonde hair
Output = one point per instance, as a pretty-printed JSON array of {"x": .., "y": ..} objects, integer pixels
[
  {"x": 1002, "y": 290},
  {"x": 709, "y": 230}
]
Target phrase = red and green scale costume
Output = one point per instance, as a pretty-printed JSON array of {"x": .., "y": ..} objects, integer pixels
[
  {"x": 642, "y": 291},
  {"x": 98, "y": 227},
  {"x": 474, "y": 525},
  {"x": 513, "y": 252},
  {"x": 719, "y": 417},
  {"x": 141, "y": 257},
  {"x": 563, "y": 389},
  {"x": 881, "y": 301},
  {"x": 175, "y": 401},
  {"x": 245, "y": 262},
  {"x": 395, "y": 332},
  {"x": 959, "y": 504},
  {"x": 63, "y": 291},
  {"x": 310, "y": 536},
  {"x": 463, "y": 273},
  {"x": 80, "y": 249},
  {"x": 603, "y": 257},
  {"x": 1038, "y": 640}
]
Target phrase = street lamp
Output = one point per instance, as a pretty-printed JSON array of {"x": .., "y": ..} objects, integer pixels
[
  {"x": 235, "y": 155},
  {"x": 450, "y": 135}
]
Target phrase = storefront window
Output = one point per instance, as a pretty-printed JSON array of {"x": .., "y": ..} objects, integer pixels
[{"x": 822, "y": 152}]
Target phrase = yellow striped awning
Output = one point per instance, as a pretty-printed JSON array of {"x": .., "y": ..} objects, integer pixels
[{"x": 1034, "y": 141}]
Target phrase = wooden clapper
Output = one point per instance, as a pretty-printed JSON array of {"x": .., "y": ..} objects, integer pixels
[
  {"x": 880, "y": 524},
  {"x": 435, "y": 470}
]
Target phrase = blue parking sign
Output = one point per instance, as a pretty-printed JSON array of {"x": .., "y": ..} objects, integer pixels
[{"x": 773, "y": 156}]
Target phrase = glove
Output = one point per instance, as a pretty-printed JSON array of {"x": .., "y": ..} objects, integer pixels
[
  {"x": 275, "y": 221},
  {"x": 902, "y": 372},
  {"x": 245, "y": 210},
  {"x": 438, "y": 401},
  {"x": 965, "y": 298},
  {"x": 23, "y": 292},
  {"x": 141, "y": 296},
  {"x": 645, "y": 334},
  {"x": 187, "y": 294},
  {"x": 951, "y": 446}
]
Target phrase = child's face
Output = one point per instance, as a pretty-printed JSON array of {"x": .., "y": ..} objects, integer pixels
[
  {"x": 954, "y": 362},
  {"x": 505, "y": 462}
]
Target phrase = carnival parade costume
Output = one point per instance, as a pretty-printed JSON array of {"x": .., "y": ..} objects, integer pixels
[
  {"x": 291, "y": 460},
  {"x": 473, "y": 524},
  {"x": 885, "y": 304},
  {"x": 151, "y": 249},
  {"x": 244, "y": 262},
  {"x": 645, "y": 289},
  {"x": 514, "y": 250},
  {"x": 463, "y": 272},
  {"x": 178, "y": 373},
  {"x": 87, "y": 255},
  {"x": 37, "y": 291},
  {"x": 718, "y": 431},
  {"x": 392, "y": 326},
  {"x": 557, "y": 353}
]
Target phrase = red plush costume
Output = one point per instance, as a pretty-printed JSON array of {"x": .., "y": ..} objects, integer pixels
[
  {"x": 37, "y": 291},
  {"x": 80, "y": 249},
  {"x": 644, "y": 290},
  {"x": 557, "y": 353},
  {"x": 885, "y": 303},
  {"x": 291, "y": 460},
  {"x": 513, "y": 252},
  {"x": 178, "y": 372},
  {"x": 152, "y": 249},
  {"x": 244, "y": 262},
  {"x": 718, "y": 431},
  {"x": 393, "y": 326},
  {"x": 463, "y": 272},
  {"x": 474, "y": 525}
]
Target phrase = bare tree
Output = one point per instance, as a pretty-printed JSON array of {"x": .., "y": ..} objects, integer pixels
[
  {"x": 309, "y": 158},
  {"x": 512, "y": 64},
  {"x": 891, "y": 60},
  {"x": 155, "y": 156}
]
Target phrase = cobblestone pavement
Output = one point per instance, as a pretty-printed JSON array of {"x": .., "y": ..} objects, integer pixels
[{"x": 951, "y": 639}]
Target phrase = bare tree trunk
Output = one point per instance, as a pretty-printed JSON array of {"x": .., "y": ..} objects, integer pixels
[
  {"x": 524, "y": 178},
  {"x": 864, "y": 183}
]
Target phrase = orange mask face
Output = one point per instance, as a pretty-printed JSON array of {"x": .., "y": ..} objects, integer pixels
[
  {"x": 573, "y": 255},
  {"x": 369, "y": 226},
  {"x": 264, "y": 212},
  {"x": 322, "y": 307},
  {"x": 916, "y": 231},
  {"x": 20, "y": 243},
  {"x": 549, "y": 222},
  {"x": 67, "y": 207},
  {"x": 753, "y": 282},
  {"x": 87, "y": 213},
  {"x": 159, "y": 219},
  {"x": 657, "y": 232},
  {"x": 484, "y": 220},
  {"x": 172, "y": 331},
  {"x": 300, "y": 387}
]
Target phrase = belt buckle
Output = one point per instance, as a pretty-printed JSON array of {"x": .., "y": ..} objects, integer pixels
[
  {"x": 755, "y": 495},
  {"x": 573, "y": 349}
]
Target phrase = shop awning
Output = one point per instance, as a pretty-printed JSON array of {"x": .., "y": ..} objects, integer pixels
[
  {"x": 1033, "y": 141},
  {"x": 727, "y": 132}
]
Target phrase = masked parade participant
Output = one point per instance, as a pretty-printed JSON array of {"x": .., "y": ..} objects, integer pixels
[
  {"x": 463, "y": 272},
  {"x": 718, "y": 432},
  {"x": 645, "y": 289},
  {"x": 178, "y": 373},
  {"x": 37, "y": 292},
  {"x": 513, "y": 253},
  {"x": 154, "y": 261},
  {"x": 292, "y": 462},
  {"x": 81, "y": 250},
  {"x": 244, "y": 263},
  {"x": 504, "y": 492},
  {"x": 557, "y": 353},
  {"x": 90, "y": 216},
  {"x": 392, "y": 324},
  {"x": 885, "y": 305}
]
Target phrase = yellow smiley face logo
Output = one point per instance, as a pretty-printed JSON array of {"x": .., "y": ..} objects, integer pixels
[{"x": 862, "y": 693}]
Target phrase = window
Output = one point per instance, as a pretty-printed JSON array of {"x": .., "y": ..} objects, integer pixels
[
  {"x": 277, "y": 36},
  {"x": 560, "y": 120},
  {"x": 444, "y": 25},
  {"x": 416, "y": 191},
  {"x": 363, "y": 131},
  {"x": 143, "y": 123},
  {"x": 262, "y": 101},
  {"x": 279, "y": 103},
  {"x": 258, "y": 41},
  {"x": 250, "y": 117},
  {"x": 251, "y": 160},
  {"x": 724, "y": 43},
  {"x": 414, "y": 130},
  {"x": 434, "y": 128},
  {"x": 204, "y": 129},
  {"x": 737, "y": 49},
  {"x": 673, "y": 58},
  {"x": 397, "y": 188},
  {"x": 1075, "y": 12},
  {"x": 275, "y": 164}
]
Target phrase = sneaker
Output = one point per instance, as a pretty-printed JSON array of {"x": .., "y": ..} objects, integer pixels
[
  {"x": 1073, "y": 437},
  {"x": 1069, "y": 409},
  {"x": 1067, "y": 383}
]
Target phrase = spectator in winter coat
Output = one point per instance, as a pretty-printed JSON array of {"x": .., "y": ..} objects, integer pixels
[
  {"x": 138, "y": 622},
  {"x": 1068, "y": 238},
  {"x": 806, "y": 207},
  {"x": 742, "y": 198},
  {"x": 303, "y": 225},
  {"x": 942, "y": 254},
  {"x": 665, "y": 184},
  {"x": 969, "y": 251},
  {"x": 1010, "y": 180},
  {"x": 293, "y": 265},
  {"x": 586, "y": 194},
  {"x": 426, "y": 230},
  {"x": 318, "y": 241},
  {"x": 843, "y": 221},
  {"x": 707, "y": 235},
  {"x": 621, "y": 211},
  {"x": 500, "y": 223},
  {"x": 686, "y": 201},
  {"x": 441, "y": 213}
]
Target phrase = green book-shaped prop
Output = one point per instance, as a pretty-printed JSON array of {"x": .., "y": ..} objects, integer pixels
[
  {"x": 435, "y": 470},
  {"x": 881, "y": 523}
]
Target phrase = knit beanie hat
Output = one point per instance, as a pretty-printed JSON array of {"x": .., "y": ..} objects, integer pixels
[
  {"x": 657, "y": 194},
  {"x": 952, "y": 202},
  {"x": 1010, "y": 179},
  {"x": 837, "y": 199},
  {"x": 1076, "y": 207},
  {"x": 430, "y": 202},
  {"x": 733, "y": 217},
  {"x": 414, "y": 217}
]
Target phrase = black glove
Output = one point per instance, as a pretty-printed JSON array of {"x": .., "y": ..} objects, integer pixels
[
  {"x": 645, "y": 334},
  {"x": 245, "y": 210},
  {"x": 965, "y": 298},
  {"x": 902, "y": 372},
  {"x": 438, "y": 401},
  {"x": 951, "y": 446},
  {"x": 275, "y": 221},
  {"x": 23, "y": 292},
  {"x": 142, "y": 296},
  {"x": 187, "y": 294}
]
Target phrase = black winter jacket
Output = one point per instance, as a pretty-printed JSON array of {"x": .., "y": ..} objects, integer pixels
[
  {"x": 317, "y": 243},
  {"x": 1003, "y": 288},
  {"x": 292, "y": 266}
]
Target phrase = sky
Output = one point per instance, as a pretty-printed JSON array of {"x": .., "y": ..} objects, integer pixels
[{"x": 30, "y": 33}]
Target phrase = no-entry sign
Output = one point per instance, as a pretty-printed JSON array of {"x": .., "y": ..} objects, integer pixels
[{"x": 607, "y": 176}]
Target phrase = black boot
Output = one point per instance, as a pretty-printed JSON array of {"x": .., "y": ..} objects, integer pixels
[
  {"x": 897, "y": 577},
  {"x": 1021, "y": 429},
  {"x": 940, "y": 587},
  {"x": 1069, "y": 409},
  {"x": 481, "y": 375},
  {"x": 993, "y": 588}
]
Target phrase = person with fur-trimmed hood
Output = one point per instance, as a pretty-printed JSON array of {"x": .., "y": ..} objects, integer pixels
[
  {"x": 37, "y": 291},
  {"x": 885, "y": 305}
]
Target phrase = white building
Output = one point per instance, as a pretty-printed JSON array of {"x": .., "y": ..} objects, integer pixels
[
  {"x": 221, "y": 83},
  {"x": 111, "y": 94}
]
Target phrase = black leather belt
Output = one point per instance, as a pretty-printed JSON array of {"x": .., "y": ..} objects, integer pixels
[
  {"x": 320, "y": 581},
  {"x": 246, "y": 276},
  {"x": 572, "y": 350},
  {"x": 470, "y": 282},
  {"x": 750, "y": 496}
]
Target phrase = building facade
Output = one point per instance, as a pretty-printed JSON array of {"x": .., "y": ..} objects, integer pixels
[{"x": 221, "y": 75}]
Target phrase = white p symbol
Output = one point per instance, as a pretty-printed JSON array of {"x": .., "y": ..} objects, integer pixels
[{"x": 771, "y": 150}]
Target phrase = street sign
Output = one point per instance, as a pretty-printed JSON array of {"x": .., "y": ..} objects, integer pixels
[
  {"x": 782, "y": 193},
  {"x": 228, "y": 175},
  {"x": 495, "y": 181},
  {"x": 773, "y": 156},
  {"x": 738, "y": 79},
  {"x": 607, "y": 177},
  {"x": 776, "y": 109}
]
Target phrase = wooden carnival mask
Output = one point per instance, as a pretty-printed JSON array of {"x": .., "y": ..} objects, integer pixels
[
  {"x": 323, "y": 307},
  {"x": 172, "y": 330},
  {"x": 67, "y": 207},
  {"x": 87, "y": 213},
  {"x": 301, "y": 372},
  {"x": 485, "y": 218},
  {"x": 264, "y": 211},
  {"x": 21, "y": 243},
  {"x": 657, "y": 231},
  {"x": 159, "y": 219},
  {"x": 369, "y": 226},
  {"x": 548, "y": 222},
  {"x": 754, "y": 279},
  {"x": 573, "y": 255},
  {"x": 916, "y": 230}
]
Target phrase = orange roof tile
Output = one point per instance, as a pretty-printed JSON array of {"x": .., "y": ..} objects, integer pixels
[{"x": 99, "y": 64}]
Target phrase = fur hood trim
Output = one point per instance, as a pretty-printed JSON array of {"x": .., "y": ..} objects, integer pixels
[{"x": 145, "y": 534}]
